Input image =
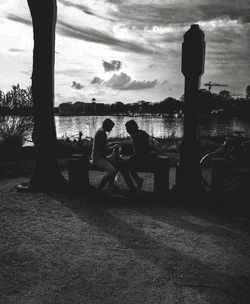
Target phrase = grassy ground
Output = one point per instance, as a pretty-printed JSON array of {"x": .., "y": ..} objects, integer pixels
[{"x": 58, "y": 248}]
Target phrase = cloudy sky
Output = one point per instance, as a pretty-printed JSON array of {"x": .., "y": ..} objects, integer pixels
[{"x": 128, "y": 50}]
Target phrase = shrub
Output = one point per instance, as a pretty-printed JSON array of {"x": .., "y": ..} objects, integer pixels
[{"x": 15, "y": 130}]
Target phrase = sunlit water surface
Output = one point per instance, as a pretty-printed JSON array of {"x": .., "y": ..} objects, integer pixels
[{"x": 155, "y": 126}]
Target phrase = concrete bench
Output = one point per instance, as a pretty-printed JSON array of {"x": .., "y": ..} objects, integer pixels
[{"x": 79, "y": 173}]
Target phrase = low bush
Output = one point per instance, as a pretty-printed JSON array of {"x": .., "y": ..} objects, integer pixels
[{"x": 14, "y": 131}]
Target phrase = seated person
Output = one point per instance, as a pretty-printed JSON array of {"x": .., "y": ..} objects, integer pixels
[
  {"x": 100, "y": 154},
  {"x": 143, "y": 155}
]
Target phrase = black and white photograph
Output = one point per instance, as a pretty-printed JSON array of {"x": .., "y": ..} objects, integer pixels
[{"x": 124, "y": 152}]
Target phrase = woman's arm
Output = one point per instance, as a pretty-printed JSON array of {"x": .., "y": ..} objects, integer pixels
[{"x": 111, "y": 146}]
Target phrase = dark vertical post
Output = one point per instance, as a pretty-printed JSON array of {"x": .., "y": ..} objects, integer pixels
[{"x": 193, "y": 58}]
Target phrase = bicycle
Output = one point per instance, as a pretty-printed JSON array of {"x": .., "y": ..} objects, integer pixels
[{"x": 235, "y": 151}]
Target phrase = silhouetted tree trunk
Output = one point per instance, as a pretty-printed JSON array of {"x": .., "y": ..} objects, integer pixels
[{"x": 46, "y": 174}]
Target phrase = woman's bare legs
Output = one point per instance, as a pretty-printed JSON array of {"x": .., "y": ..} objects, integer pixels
[{"x": 110, "y": 174}]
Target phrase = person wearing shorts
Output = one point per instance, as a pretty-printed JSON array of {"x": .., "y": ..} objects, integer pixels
[{"x": 100, "y": 154}]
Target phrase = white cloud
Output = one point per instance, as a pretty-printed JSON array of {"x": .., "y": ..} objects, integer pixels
[{"x": 124, "y": 82}]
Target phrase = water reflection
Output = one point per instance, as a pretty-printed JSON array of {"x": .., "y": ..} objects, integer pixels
[{"x": 155, "y": 126}]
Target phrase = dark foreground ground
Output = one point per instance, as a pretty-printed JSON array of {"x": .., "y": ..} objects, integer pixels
[{"x": 57, "y": 248}]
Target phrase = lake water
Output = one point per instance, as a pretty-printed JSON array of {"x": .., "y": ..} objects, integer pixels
[{"x": 156, "y": 126}]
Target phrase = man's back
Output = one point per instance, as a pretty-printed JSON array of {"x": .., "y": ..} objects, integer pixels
[{"x": 141, "y": 144}]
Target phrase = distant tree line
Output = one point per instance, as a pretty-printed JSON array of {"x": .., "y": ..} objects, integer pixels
[
  {"x": 224, "y": 102},
  {"x": 167, "y": 106},
  {"x": 208, "y": 103},
  {"x": 18, "y": 101}
]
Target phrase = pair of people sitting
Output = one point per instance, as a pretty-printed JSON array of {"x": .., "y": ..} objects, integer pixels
[{"x": 105, "y": 160}]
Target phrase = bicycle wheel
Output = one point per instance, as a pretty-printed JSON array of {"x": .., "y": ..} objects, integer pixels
[{"x": 206, "y": 169}]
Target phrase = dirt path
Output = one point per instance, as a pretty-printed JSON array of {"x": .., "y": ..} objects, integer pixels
[{"x": 70, "y": 249}]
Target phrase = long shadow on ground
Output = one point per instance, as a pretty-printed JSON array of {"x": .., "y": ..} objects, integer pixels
[{"x": 135, "y": 225}]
